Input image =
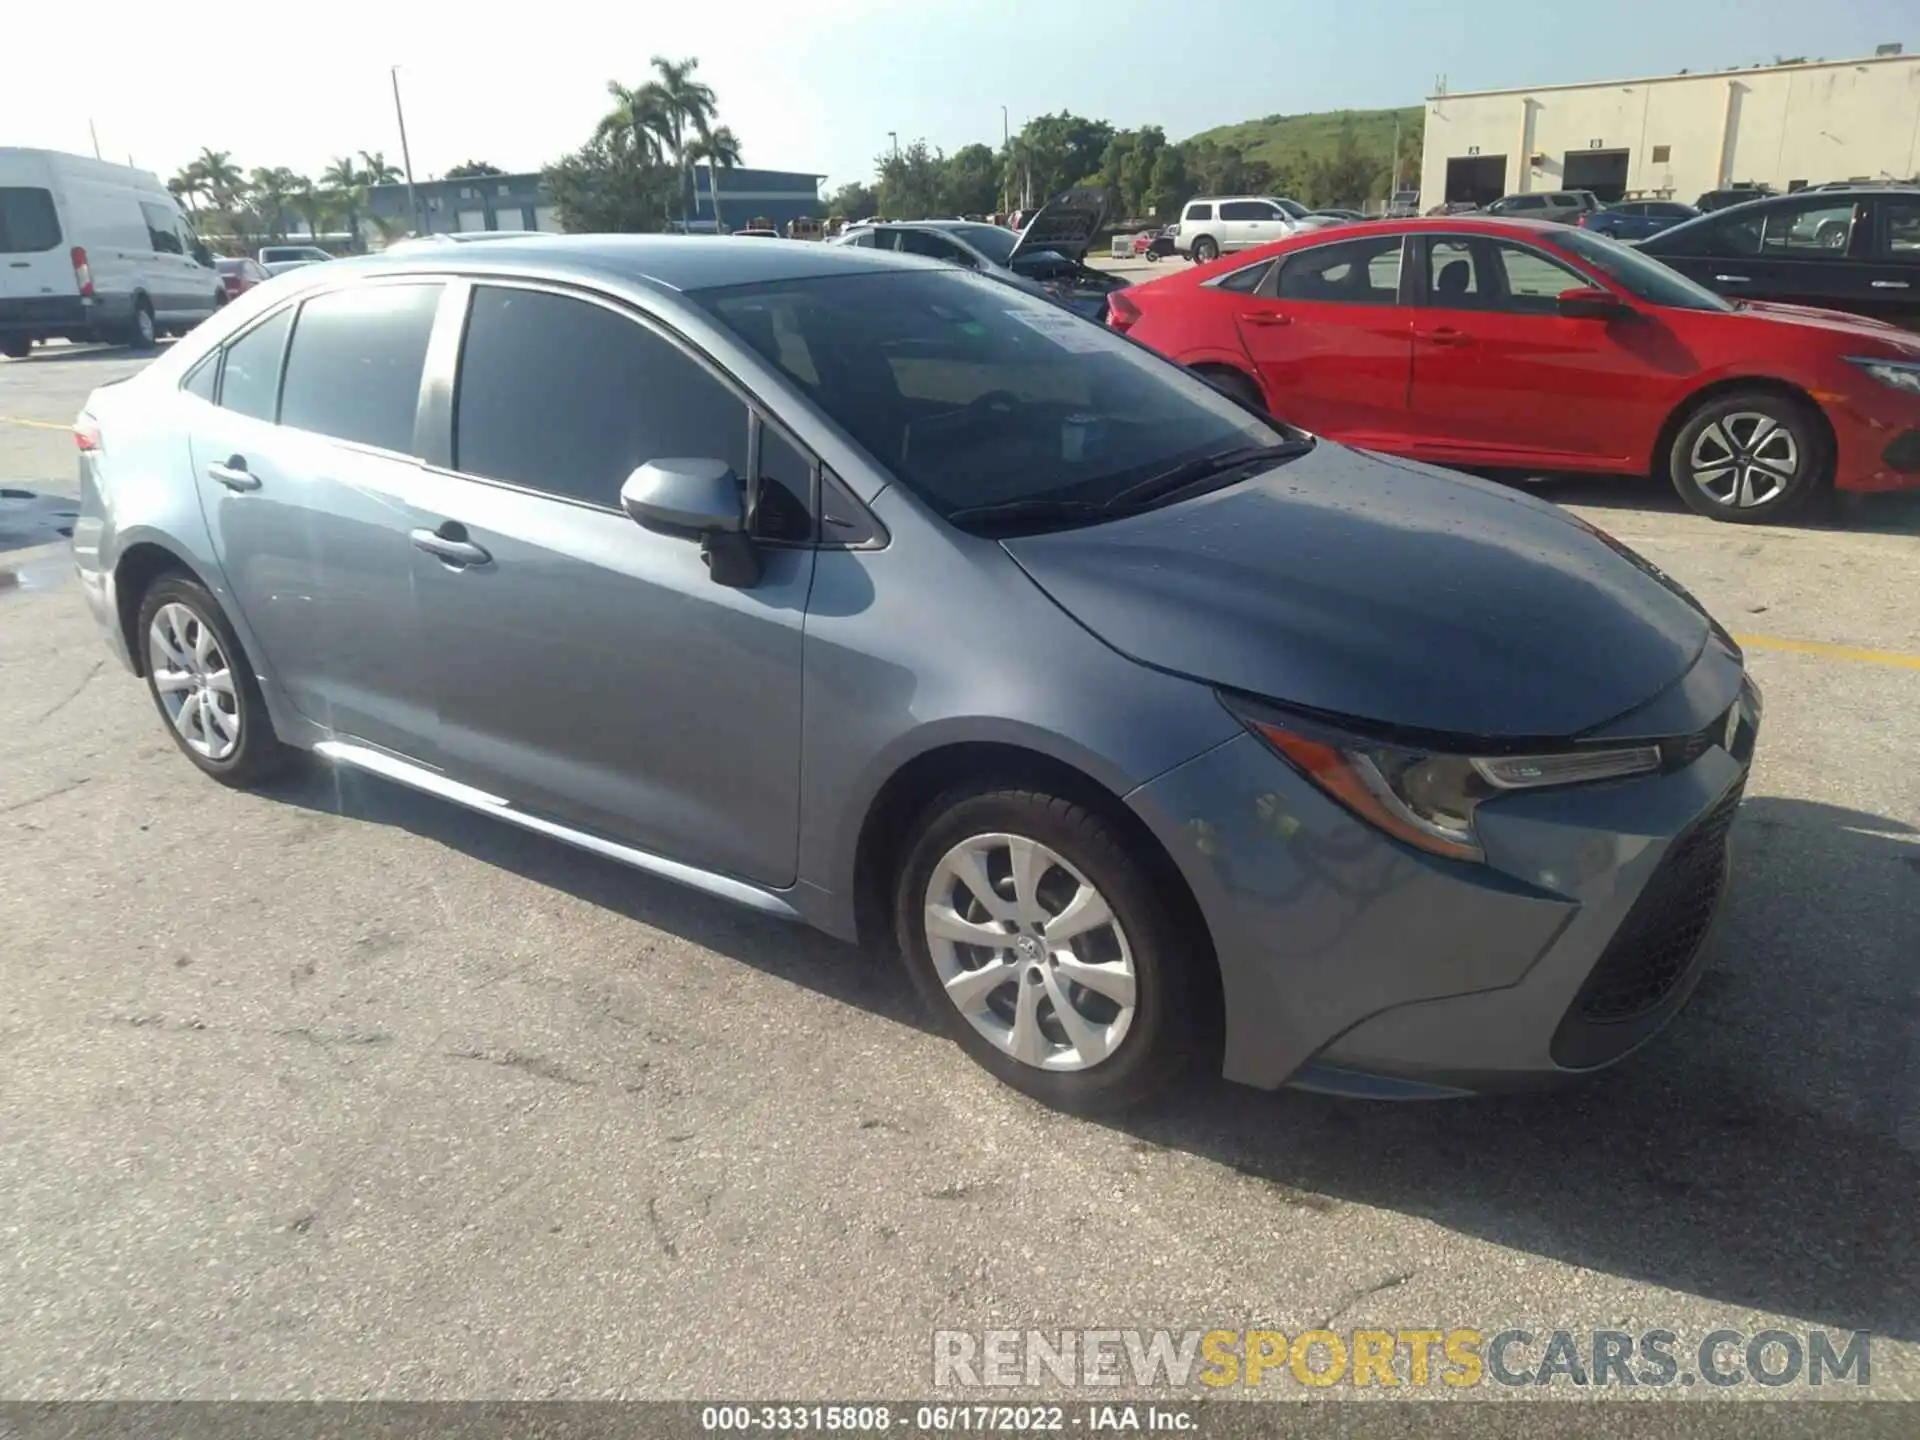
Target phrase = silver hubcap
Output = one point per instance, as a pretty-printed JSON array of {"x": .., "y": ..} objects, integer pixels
[
  {"x": 1029, "y": 952},
  {"x": 195, "y": 685},
  {"x": 144, "y": 321},
  {"x": 1744, "y": 459}
]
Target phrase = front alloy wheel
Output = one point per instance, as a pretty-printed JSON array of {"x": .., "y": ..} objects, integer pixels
[{"x": 1750, "y": 457}]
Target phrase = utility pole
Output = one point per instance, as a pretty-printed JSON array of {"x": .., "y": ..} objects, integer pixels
[
  {"x": 1393, "y": 185},
  {"x": 96, "y": 138},
  {"x": 406, "y": 157},
  {"x": 894, "y": 137},
  {"x": 1006, "y": 149}
]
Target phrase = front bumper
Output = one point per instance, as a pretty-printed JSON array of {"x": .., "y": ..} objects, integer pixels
[
  {"x": 1350, "y": 962},
  {"x": 1877, "y": 433}
]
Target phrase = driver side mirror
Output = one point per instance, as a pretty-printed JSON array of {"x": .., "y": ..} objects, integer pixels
[
  {"x": 1589, "y": 302},
  {"x": 697, "y": 499}
]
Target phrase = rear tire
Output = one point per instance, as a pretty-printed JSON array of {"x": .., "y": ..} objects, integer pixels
[
  {"x": 204, "y": 687},
  {"x": 16, "y": 347},
  {"x": 1204, "y": 249},
  {"x": 1234, "y": 384},
  {"x": 1131, "y": 971},
  {"x": 142, "y": 334},
  {"x": 1751, "y": 457}
]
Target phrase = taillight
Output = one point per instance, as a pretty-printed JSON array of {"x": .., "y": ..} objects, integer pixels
[
  {"x": 1582, "y": 221},
  {"x": 1121, "y": 312},
  {"x": 86, "y": 433},
  {"x": 82, "y": 272}
]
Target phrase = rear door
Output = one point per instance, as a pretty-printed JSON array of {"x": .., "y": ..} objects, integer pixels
[
  {"x": 34, "y": 263},
  {"x": 1893, "y": 273},
  {"x": 1801, "y": 252},
  {"x": 1246, "y": 223},
  {"x": 1332, "y": 339},
  {"x": 1500, "y": 378},
  {"x": 307, "y": 466}
]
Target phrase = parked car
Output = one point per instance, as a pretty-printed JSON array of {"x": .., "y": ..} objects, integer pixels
[
  {"x": 1564, "y": 207},
  {"x": 1856, "y": 250},
  {"x": 1732, "y": 195},
  {"x": 1536, "y": 347},
  {"x": 436, "y": 239},
  {"x": 1047, "y": 257},
  {"x": 1636, "y": 219},
  {"x": 1216, "y": 225},
  {"x": 280, "y": 258},
  {"x": 859, "y": 591},
  {"x": 92, "y": 251},
  {"x": 239, "y": 274},
  {"x": 755, "y": 232},
  {"x": 1403, "y": 205},
  {"x": 1334, "y": 212}
]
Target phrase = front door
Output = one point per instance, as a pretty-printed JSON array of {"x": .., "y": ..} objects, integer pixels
[
  {"x": 1892, "y": 279},
  {"x": 1332, "y": 341},
  {"x": 1500, "y": 378},
  {"x": 589, "y": 669},
  {"x": 310, "y": 516}
]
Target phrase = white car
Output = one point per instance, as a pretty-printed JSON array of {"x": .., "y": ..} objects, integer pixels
[
  {"x": 280, "y": 258},
  {"x": 92, "y": 251},
  {"x": 1215, "y": 225}
]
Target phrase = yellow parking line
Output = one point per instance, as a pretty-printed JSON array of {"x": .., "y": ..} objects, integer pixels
[
  {"x": 1831, "y": 652},
  {"x": 36, "y": 424}
]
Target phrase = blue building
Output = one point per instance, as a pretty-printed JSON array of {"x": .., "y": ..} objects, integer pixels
[
  {"x": 485, "y": 202},
  {"x": 748, "y": 195}
]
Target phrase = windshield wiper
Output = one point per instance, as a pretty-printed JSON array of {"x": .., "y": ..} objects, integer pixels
[
  {"x": 1029, "y": 508},
  {"x": 1169, "y": 483}
]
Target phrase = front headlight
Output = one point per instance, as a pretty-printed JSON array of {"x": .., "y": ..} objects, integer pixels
[
  {"x": 1428, "y": 798},
  {"x": 1900, "y": 374}
]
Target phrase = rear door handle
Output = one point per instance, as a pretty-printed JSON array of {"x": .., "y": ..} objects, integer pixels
[
  {"x": 455, "y": 549},
  {"x": 1447, "y": 335},
  {"x": 234, "y": 474},
  {"x": 1731, "y": 279},
  {"x": 1258, "y": 317},
  {"x": 1891, "y": 285}
]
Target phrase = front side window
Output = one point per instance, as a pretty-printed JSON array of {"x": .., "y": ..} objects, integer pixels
[
  {"x": 1199, "y": 212},
  {"x": 250, "y": 379},
  {"x": 161, "y": 234},
  {"x": 354, "y": 369},
  {"x": 974, "y": 394},
  {"x": 1809, "y": 232},
  {"x": 1641, "y": 277},
  {"x": 1353, "y": 272},
  {"x": 569, "y": 398},
  {"x": 991, "y": 240},
  {"x": 1531, "y": 281},
  {"x": 28, "y": 221}
]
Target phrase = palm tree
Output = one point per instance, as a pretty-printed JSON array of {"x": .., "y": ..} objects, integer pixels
[
  {"x": 720, "y": 148},
  {"x": 272, "y": 190},
  {"x": 314, "y": 206},
  {"x": 347, "y": 186},
  {"x": 379, "y": 170},
  {"x": 189, "y": 185},
  {"x": 638, "y": 123},
  {"x": 223, "y": 182}
]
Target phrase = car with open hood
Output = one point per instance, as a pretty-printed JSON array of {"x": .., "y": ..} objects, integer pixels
[
  {"x": 860, "y": 590},
  {"x": 1047, "y": 257}
]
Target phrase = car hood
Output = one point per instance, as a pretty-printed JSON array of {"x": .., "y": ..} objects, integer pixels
[
  {"x": 1066, "y": 224},
  {"x": 1381, "y": 591},
  {"x": 1836, "y": 322}
]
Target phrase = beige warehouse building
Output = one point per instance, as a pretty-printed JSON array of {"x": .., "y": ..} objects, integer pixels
[{"x": 1676, "y": 136}]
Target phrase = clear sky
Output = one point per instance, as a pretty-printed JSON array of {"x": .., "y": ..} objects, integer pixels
[{"x": 818, "y": 84}]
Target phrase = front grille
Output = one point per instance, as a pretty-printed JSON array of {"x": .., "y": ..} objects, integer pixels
[{"x": 1662, "y": 932}]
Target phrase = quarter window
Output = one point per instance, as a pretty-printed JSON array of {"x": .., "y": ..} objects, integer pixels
[
  {"x": 202, "y": 379},
  {"x": 250, "y": 380},
  {"x": 1902, "y": 235},
  {"x": 1247, "y": 210},
  {"x": 1353, "y": 272},
  {"x": 570, "y": 398},
  {"x": 354, "y": 369},
  {"x": 1246, "y": 281}
]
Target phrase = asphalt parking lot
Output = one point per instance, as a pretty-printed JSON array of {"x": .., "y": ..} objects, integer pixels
[{"x": 339, "y": 1092}]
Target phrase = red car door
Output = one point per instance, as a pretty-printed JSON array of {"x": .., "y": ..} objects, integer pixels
[
  {"x": 1332, "y": 340},
  {"x": 1501, "y": 378}
]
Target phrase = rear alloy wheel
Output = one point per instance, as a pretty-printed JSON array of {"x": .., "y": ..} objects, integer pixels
[
  {"x": 1045, "y": 948},
  {"x": 1750, "y": 457},
  {"x": 1205, "y": 249},
  {"x": 203, "y": 687}
]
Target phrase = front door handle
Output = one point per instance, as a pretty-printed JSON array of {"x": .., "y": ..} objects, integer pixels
[
  {"x": 1891, "y": 285},
  {"x": 1731, "y": 279},
  {"x": 455, "y": 549},
  {"x": 1446, "y": 335},
  {"x": 1259, "y": 317},
  {"x": 234, "y": 474}
]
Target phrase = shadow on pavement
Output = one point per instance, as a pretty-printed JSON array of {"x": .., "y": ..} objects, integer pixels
[
  {"x": 1897, "y": 513},
  {"x": 1751, "y": 1155},
  {"x": 69, "y": 354}
]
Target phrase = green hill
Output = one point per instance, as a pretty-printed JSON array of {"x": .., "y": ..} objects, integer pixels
[{"x": 1292, "y": 143}]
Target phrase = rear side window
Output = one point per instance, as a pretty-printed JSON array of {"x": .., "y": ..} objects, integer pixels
[
  {"x": 1810, "y": 232},
  {"x": 1353, "y": 272},
  {"x": 250, "y": 380},
  {"x": 1247, "y": 210},
  {"x": 28, "y": 222},
  {"x": 162, "y": 235},
  {"x": 568, "y": 397},
  {"x": 354, "y": 370},
  {"x": 1199, "y": 212},
  {"x": 1901, "y": 230}
]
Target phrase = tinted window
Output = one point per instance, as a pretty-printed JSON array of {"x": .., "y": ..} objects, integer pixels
[
  {"x": 203, "y": 377},
  {"x": 250, "y": 380},
  {"x": 862, "y": 238},
  {"x": 1670, "y": 210},
  {"x": 974, "y": 394},
  {"x": 1453, "y": 279},
  {"x": 28, "y": 221},
  {"x": 1199, "y": 212},
  {"x": 1531, "y": 281},
  {"x": 569, "y": 397},
  {"x": 1354, "y": 272},
  {"x": 161, "y": 234},
  {"x": 1810, "y": 232},
  {"x": 782, "y": 502},
  {"x": 992, "y": 241},
  {"x": 1640, "y": 277},
  {"x": 1246, "y": 281},
  {"x": 1247, "y": 210},
  {"x": 1901, "y": 232},
  {"x": 936, "y": 247},
  {"x": 354, "y": 370},
  {"x": 1738, "y": 235}
]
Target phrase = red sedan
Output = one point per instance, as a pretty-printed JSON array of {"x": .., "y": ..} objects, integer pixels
[
  {"x": 240, "y": 275},
  {"x": 1505, "y": 344}
]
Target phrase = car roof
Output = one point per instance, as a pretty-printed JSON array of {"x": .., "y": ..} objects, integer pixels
[{"x": 671, "y": 262}]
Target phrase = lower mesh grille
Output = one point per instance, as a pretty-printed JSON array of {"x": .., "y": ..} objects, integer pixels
[{"x": 1663, "y": 930}]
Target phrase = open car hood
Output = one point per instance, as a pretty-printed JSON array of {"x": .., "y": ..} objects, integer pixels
[
  {"x": 1066, "y": 225},
  {"x": 1381, "y": 591}
]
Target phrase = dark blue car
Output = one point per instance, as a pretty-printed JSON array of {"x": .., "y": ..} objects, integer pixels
[{"x": 1637, "y": 219}]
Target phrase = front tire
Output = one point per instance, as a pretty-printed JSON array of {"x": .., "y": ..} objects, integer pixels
[
  {"x": 203, "y": 686},
  {"x": 1751, "y": 457},
  {"x": 1046, "y": 950}
]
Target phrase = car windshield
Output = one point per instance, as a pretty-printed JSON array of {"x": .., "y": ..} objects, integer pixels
[
  {"x": 1291, "y": 207},
  {"x": 974, "y": 394},
  {"x": 991, "y": 241},
  {"x": 1639, "y": 275}
]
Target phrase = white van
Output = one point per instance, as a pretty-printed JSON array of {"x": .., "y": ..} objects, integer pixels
[{"x": 92, "y": 251}]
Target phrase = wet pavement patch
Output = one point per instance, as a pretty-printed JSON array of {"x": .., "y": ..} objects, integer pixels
[{"x": 29, "y": 518}]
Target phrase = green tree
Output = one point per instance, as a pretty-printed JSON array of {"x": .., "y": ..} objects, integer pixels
[
  {"x": 473, "y": 170},
  {"x": 1170, "y": 188},
  {"x": 222, "y": 181},
  {"x": 970, "y": 182},
  {"x": 911, "y": 182},
  {"x": 608, "y": 185},
  {"x": 273, "y": 190},
  {"x": 854, "y": 201},
  {"x": 378, "y": 170},
  {"x": 719, "y": 148},
  {"x": 1052, "y": 152},
  {"x": 347, "y": 194},
  {"x": 314, "y": 206},
  {"x": 663, "y": 118},
  {"x": 189, "y": 185}
]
